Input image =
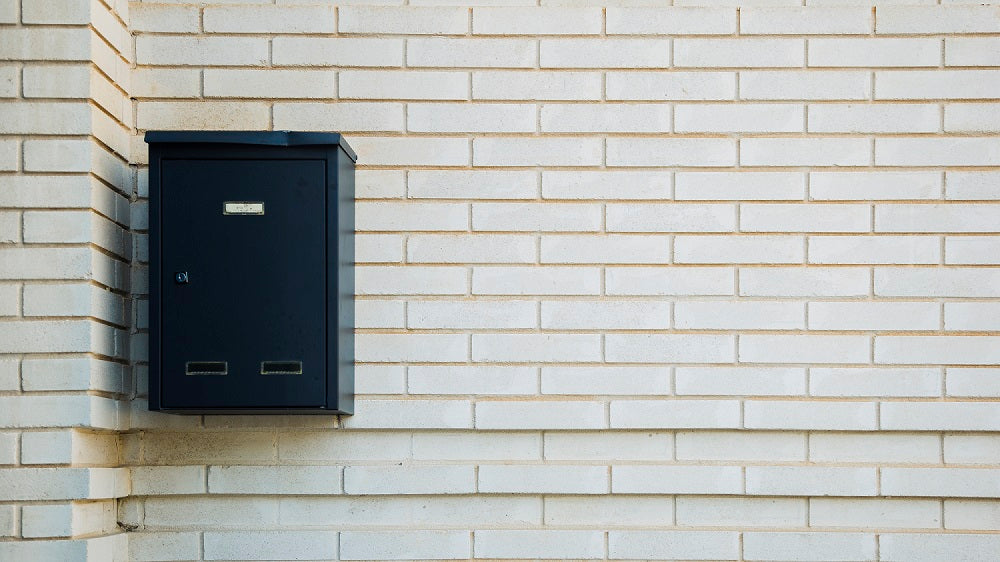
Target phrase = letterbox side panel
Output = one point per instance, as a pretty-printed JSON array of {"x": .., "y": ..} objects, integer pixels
[{"x": 341, "y": 289}]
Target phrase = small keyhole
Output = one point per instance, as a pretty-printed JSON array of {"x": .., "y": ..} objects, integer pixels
[{"x": 181, "y": 277}]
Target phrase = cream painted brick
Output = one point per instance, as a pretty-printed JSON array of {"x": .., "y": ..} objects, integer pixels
[
  {"x": 953, "y": 482},
  {"x": 479, "y": 184},
  {"x": 297, "y": 480},
  {"x": 972, "y": 185},
  {"x": 536, "y": 151},
  {"x": 540, "y": 415},
  {"x": 740, "y": 446},
  {"x": 895, "y": 448},
  {"x": 871, "y": 52},
  {"x": 971, "y": 118},
  {"x": 739, "y": 185},
  {"x": 953, "y": 217},
  {"x": 265, "y": 545},
  {"x": 199, "y": 51},
  {"x": 806, "y": 20},
  {"x": 693, "y": 315},
  {"x": 801, "y": 85},
  {"x": 45, "y": 118},
  {"x": 648, "y": 479},
  {"x": 47, "y": 447},
  {"x": 51, "y": 550},
  {"x": 973, "y": 381},
  {"x": 161, "y": 480},
  {"x": 10, "y": 379},
  {"x": 607, "y": 53},
  {"x": 627, "y": 118},
  {"x": 606, "y": 185},
  {"x": 898, "y": 547},
  {"x": 364, "y": 84},
  {"x": 615, "y": 248},
  {"x": 47, "y": 263},
  {"x": 10, "y": 232},
  {"x": 378, "y": 248},
  {"x": 10, "y": 159},
  {"x": 542, "y": 348},
  {"x": 10, "y": 78},
  {"x": 478, "y": 445},
  {"x": 149, "y": 546},
  {"x": 737, "y": 53},
  {"x": 531, "y": 86},
  {"x": 674, "y": 544},
  {"x": 880, "y": 118},
  {"x": 750, "y": 381},
  {"x": 874, "y": 185},
  {"x": 425, "y": 414},
  {"x": 543, "y": 479},
  {"x": 936, "y": 84},
  {"x": 874, "y": 513},
  {"x": 608, "y": 510},
  {"x": 489, "y": 53},
  {"x": 544, "y": 544},
  {"x": 743, "y": 512},
  {"x": 934, "y": 282},
  {"x": 164, "y": 18},
  {"x": 166, "y": 83},
  {"x": 45, "y": 43},
  {"x": 701, "y": 281},
  {"x": 337, "y": 51},
  {"x": 738, "y": 249},
  {"x": 236, "y": 115},
  {"x": 471, "y": 314},
  {"x": 874, "y": 382},
  {"x": 874, "y": 316},
  {"x": 804, "y": 349},
  {"x": 474, "y": 248},
  {"x": 55, "y": 336},
  {"x": 389, "y": 216},
  {"x": 957, "y": 350},
  {"x": 814, "y": 217},
  {"x": 937, "y": 19},
  {"x": 338, "y": 446},
  {"x": 404, "y": 545},
  {"x": 671, "y": 85},
  {"x": 607, "y": 315},
  {"x": 73, "y": 300},
  {"x": 687, "y": 20},
  {"x": 411, "y": 347},
  {"x": 269, "y": 83},
  {"x": 38, "y": 12},
  {"x": 956, "y": 416},
  {"x": 409, "y": 480},
  {"x": 502, "y": 118},
  {"x": 810, "y": 481},
  {"x": 402, "y": 151},
  {"x": 548, "y": 280},
  {"x": 806, "y": 151},
  {"x": 57, "y": 155},
  {"x": 394, "y": 280},
  {"x": 609, "y": 446},
  {"x": 808, "y": 415},
  {"x": 536, "y": 21},
  {"x": 971, "y": 51},
  {"x": 751, "y": 118},
  {"x": 438, "y": 20},
  {"x": 536, "y": 217},
  {"x": 809, "y": 546},
  {"x": 49, "y": 484},
  {"x": 214, "y": 512},
  {"x": 695, "y": 152},
  {"x": 972, "y": 514},
  {"x": 673, "y": 414},
  {"x": 272, "y": 19},
  {"x": 72, "y": 374},
  {"x": 671, "y": 218},
  {"x": 874, "y": 249},
  {"x": 669, "y": 348},
  {"x": 9, "y": 11}
]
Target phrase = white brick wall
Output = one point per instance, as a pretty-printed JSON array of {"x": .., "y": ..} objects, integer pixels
[{"x": 693, "y": 281}]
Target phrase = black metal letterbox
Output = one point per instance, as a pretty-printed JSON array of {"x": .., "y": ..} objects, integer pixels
[{"x": 251, "y": 250}]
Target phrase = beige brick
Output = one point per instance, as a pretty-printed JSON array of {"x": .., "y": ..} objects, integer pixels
[
  {"x": 404, "y": 545},
  {"x": 536, "y": 151},
  {"x": 958, "y": 350},
  {"x": 270, "y": 19},
  {"x": 686, "y": 20},
  {"x": 606, "y": 185},
  {"x": 807, "y": 151},
  {"x": 479, "y": 184},
  {"x": 409, "y": 480},
  {"x": 982, "y": 316},
  {"x": 813, "y": 217},
  {"x": 45, "y": 43},
  {"x": 809, "y": 546},
  {"x": 874, "y": 185},
  {"x": 936, "y": 84},
  {"x": 540, "y": 415},
  {"x": 675, "y": 414},
  {"x": 894, "y": 52},
  {"x": 408, "y": 20},
  {"x": 971, "y": 185},
  {"x": 166, "y": 83},
  {"x": 300, "y": 445},
  {"x": 740, "y": 446},
  {"x": 936, "y": 218},
  {"x": 736, "y": 53},
  {"x": 674, "y": 85},
  {"x": 702, "y": 281},
  {"x": 411, "y": 280},
  {"x": 472, "y": 118},
  {"x": 674, "y": 544},
  {"x": 971, "y": 118},
  {"x": 297, "y": 480},
  {"x": 932, "y": 282},
  {"x": 9, "y": 155},
  {"x": 905, "y": 514},
  {"x": 804, "y": 415},
  {"x": 489, "y": 53},
  {"x": 477, "y": 445},
  {"x": 608, "y": 510},
  {"x": 472, "y": 380},
  {"x": 402, "y": 151},
  {"x": 957, "y": 416},
  {"x": 471, "y": 314},
  {"x": 937, "y": 19},
  {"x": 337, "y": 51},
  {"x": 203, "y": 510},
  {"x": 954, "y": 482},
  {"x": 10, "y": 77},
  {"x": 164, "y": 18},
  {"x": 874, "y": 316},
  {"x": 362, "y": 84},
  {"x": 693, "y": 315},
  {"x": 388, "y": 216},
  {"x": 972, "y": 514},
  {"x": 800, "y": 85},
  {"x": 148, "y": 546},
  {"x": 627, "y": 118},
  {"x": 749, "y": 118},
  {"x": 204, "y": 115},
  {"x": 548, "y": 543},
  {"x": 540, "y": 85},
  {"x": 411, "y": 347},
  {"x": 546, "y": 280},
  {"x": 618, "y": 248},
  {"x": 739, "y": 185},
  {"x": 269, "y": 83},
  {"x": 542, "y": 348},
  {"x": 695, "y": 152},
  {"x": 738, "y": 249},
  {"x": 199, "y": 51},
  {"x": 813, "y": 20},
  {"x": 970, "y": 51},
  {"x": 423, "y": 414},
  {"x": 968, "y": 151},
  {"x": 536, "y": 21},
  {"x": 261, "y": 545},
  {"x": 649, "y": 479},
  {"x": 536, "y": 217},
  {"x": 881, "y": 118},
  {"x": 577, "y": 315},
  {"x": 607, "y": 53},
  {"x": 671, "y": 218},
  {"x": 551, "y": 479},
  {"x": 39, "y": 12},
  {"x": 472, "y": 248},
  {"x": 45, "y": 118},
  {"x": 744, "y": 512},
  {"x": 343, "y": 116},
  {"x": 804, "y": 349},
  {"x": 610, "y": 446},
  {"x": 894, "y": 447},
  {"x": 972, "y": 381},
  {"x": 810, "y": 481}
]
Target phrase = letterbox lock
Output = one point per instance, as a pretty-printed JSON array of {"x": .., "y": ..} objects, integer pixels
[{"x": 181, "y": 277}]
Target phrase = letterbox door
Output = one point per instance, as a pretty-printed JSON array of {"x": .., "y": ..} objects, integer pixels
[{"x": 243, "y": 277}]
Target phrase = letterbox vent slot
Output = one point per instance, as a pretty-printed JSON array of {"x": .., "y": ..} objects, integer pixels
[
  {"x": 206, "y": 368},
  {"x": 281, "y": 368}
]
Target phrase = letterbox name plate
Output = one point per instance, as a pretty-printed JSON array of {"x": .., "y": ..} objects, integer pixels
[{"x": 243, "y": 208}]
